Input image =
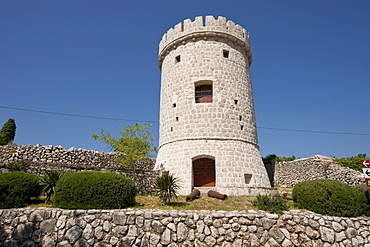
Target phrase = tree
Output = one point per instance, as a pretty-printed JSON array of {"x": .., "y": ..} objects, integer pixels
[
  {"x": 136, "y": 143},
  {"x": 7, "y": 132},
  {"x": 352, "y": 162}
]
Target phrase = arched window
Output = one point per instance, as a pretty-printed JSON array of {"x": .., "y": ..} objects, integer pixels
[{"x": 203, "y": 92}]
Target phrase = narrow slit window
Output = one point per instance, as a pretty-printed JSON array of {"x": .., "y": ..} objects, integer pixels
[
  {"x": 177, "y": 119},
  {"x": 241, "y": 127},
  {"x": 240, "y": 118},
  {"x": 225, "y": 53},
  {"x": 247, "y": 178},
  {"x": 178, "y": 59},
  {"x": 203, "y": 94},
  {"x": 171, "y": 129}
]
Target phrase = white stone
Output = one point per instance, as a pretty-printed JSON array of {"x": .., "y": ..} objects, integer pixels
[{"x": 223, "y": 130}]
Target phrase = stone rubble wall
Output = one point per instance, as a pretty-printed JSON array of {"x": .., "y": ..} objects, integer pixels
[
  {"x": 128, "y": 227},
  {"x": 288, "y": 174},
  {"x": 45, "y": 158}
]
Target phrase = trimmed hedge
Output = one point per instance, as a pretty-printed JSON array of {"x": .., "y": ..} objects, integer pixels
[
  {"x": 94, "y": 190},
  {"x": 17, "y": 188},
  {"x": 329, "y": 197}
]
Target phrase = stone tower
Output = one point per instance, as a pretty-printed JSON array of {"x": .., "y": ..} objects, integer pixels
[{"x": 208, "y": 132}]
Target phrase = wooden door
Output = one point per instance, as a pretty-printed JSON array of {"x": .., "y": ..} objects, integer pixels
[{"x": 204, "y": 173}]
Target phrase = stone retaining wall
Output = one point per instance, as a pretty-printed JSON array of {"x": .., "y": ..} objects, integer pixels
[
  {"x": 38, "y": 159},
  {"x": 128, "y": 227},
  {"x": 288, "y": 174}
]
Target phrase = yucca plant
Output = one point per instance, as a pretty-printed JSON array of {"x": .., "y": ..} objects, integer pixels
[
  {"x": 166, "y": 186},
  {"x": 48, "y": 181}
]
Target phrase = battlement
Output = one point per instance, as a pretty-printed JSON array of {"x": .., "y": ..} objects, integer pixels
[{"x": 204, "y": 27}]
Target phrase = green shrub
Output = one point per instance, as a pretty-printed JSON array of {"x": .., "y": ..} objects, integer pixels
[
  {"x": 166, "y": 186},
  {"x": 94, "y": 190},
  {"x": 17, "y": 188},
  {"x": 328, "y": 197},
  {"x": 48, "y": 181},
  {"x": 270, "y": 203},
  {"x": 363, "y": 197},
  {"x": 17, "y": 166}
]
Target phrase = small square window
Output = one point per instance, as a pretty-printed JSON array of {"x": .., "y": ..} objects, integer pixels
[
  {"x": 235, "y": 101},
  {"x": 226, "y": 53},
  {"x": 174, "y": 105},
  {"x": 178, "y": 59}
]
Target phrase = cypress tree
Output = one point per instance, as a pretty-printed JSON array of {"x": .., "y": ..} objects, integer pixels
[{"x": 7, "y": 132}]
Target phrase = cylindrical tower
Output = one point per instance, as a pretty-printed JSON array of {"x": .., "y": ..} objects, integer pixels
[{"x": 208, "y": 134}]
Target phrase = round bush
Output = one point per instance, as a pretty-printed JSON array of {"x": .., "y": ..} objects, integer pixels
[
  {"x": 328, "y": 197},
  {"x": 94, "y": 190},
  {"x": 17, "y": 188}
]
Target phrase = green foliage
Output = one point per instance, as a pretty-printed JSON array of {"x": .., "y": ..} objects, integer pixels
[
  {"x": 17, "y": 188},
  {"x": 270, "y": 203},
  {"x": 352, "y": 162},
  {"x": 328, "y": 197},
  {"x": 166, "y": 186},
  {"x": 17, "y": 166},
  {"x": 363, "y": 198},
  {"x": 48, "y": 182},
  {"x": 94, "y": 190},
  {"x": 7, "y": 132},
  {"x": 136, "y": 143},
  {"x": 278, "y": 158}
]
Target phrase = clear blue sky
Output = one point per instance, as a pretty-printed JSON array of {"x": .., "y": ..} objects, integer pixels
[{"x": 310, "y": 71}]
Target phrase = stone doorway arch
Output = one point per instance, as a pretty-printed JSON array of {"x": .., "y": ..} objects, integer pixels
[{"x": 204, "y": 172}]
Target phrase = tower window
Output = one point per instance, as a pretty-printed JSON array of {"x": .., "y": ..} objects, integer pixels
[
  {"x": 177, "y": 118},
  {"x": 240, "y": 118},
  {"x": 174, "y": 105},
  {"x": 235, "y": 101},
  {"x": 178, "y": 59},
  {"x": 203, "y": 94},
  {"x": 247, "y": 178},
  {"x": 225, "y": 53},
  {"x": 241, "y": 127}
]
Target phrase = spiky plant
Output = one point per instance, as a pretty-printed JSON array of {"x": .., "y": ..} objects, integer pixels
[
  {"x": 48, "y": 181},
  {"x": 166, "y": 186}
]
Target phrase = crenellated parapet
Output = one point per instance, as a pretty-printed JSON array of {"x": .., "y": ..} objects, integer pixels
[{"x": 204, "y": 28}]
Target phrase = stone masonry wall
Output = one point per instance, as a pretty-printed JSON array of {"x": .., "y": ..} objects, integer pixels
[
  {"x": 40, "y": 158},
  {"x": 288, "y": 174},
  {"x": 58, "y": 227},
  {"x": 213, "y": 53}
]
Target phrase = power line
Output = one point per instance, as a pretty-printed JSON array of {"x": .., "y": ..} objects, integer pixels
[
  {"x": 317, "y": 131},
  {"x": 76, "y": 115},
  {"x": 151, "y": 121}
]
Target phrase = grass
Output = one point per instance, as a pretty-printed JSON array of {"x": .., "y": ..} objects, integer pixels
[{"x": 204, "y": 202}]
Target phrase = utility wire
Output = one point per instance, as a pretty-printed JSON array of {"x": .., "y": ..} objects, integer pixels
[
  {"x": 316, "y": 131},
  {"x": 151, "y": 121},
  {"x": 76, "y": 115}
]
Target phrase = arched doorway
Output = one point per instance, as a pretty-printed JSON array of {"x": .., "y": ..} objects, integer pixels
[{"x": 204, "y": 172}]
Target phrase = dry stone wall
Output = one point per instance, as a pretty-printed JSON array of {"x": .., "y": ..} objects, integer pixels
[
  {"x": 288, "y": 174},
  {"x": 40, "y": 158},
  {"x": 58, "y": 227}
]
